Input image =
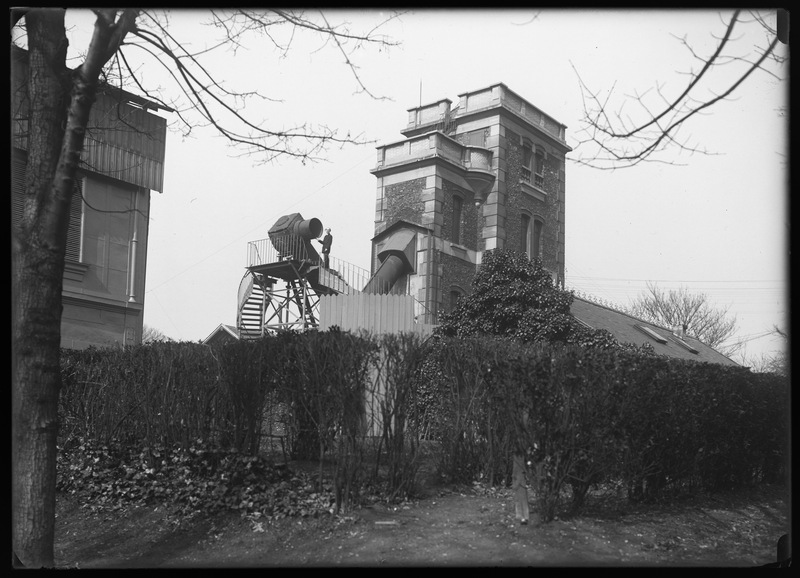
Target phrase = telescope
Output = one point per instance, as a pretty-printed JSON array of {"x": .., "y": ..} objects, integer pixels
[{"x": 291, "y": 235}]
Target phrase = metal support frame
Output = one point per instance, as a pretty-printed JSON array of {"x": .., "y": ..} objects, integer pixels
[{"x": 289, "y": 304}]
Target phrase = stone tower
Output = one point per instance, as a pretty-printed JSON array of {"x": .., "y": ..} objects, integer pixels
[{"x": 485, "y": 174}]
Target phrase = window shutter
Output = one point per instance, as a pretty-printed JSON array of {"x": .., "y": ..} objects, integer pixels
[
  {"x": 74, "y": 231},
  {"x": 17, "y": 189},
  {"x": 75, "y": 210}
]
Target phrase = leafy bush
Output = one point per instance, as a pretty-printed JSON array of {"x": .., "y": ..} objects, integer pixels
[
  {"x": 161, "y": 393},
  {"x": 583, "y": 415},
  {"x": 395, "y": 400}
]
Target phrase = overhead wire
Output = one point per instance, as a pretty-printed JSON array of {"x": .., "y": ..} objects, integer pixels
[{"x": 256, "y": 228}]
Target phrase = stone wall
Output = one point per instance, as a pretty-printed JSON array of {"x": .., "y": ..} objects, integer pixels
[{"x": 404, "y": 202}]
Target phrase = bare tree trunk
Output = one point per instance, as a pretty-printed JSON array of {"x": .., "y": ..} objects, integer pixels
[
  {"x": 37, "y": 268},
  {"x": 60, "y": 102}
]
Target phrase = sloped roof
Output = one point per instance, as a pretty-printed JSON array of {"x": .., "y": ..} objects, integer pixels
[
  {"x": 628, "y": 329},
  {"x": 222, "y": 332}
]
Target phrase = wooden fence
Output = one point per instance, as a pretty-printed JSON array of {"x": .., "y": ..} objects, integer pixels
[{"x": 376, "y": 314}]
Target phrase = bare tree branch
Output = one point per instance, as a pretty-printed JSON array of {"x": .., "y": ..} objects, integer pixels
[
  {"x": 199, "y": 98},
  {"x": 612, "y": 140},
  {"x": 690, "y": 312},
  {"x": 52, "y": 113}
]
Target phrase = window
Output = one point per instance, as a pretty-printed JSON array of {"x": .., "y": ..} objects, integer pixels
[
  {"x": 458, "y": 204},
  {"x": 476, "y": 138},
  {"x": 75, "y": 206},
  {"x": 650, "y": 333},
  {"x": 533, "y": 165},
  {"x": 683, "y": 344},
  {"x": 525, "y": 235},
  {"x": 538, "y": 227},
  {"x": 531, "y": 236},
  {"x": 538, "y": 168},
  {"x": 527, "y": 157},
  {"x": 455, "y": 297}
]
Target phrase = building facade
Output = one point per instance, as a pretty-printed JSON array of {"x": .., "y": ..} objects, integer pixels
[
  {"x": 488, "y": 173},
  {"x": 122, "y": 162}
]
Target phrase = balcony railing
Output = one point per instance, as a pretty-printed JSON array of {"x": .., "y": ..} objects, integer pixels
[
  {"x": 477, "y": 158},
  {"x": 538, "y": 180},
  {"x": 285, "y": 248},
  {"x": 435, "y": 145},
  {"x": 340, "y": 275},
  {"x": 441, "y": 114}
]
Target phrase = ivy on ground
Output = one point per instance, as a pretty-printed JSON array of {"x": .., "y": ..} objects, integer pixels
[{"x": 187, "y": 481}]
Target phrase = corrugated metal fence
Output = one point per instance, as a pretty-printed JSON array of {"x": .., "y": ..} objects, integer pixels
[{"x": 374, "y": 313}]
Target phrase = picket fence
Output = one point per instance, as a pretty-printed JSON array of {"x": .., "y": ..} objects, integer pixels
[{"x": 377, "y": 314}]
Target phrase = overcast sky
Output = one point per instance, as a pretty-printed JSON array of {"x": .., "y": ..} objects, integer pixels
[{"x": 716, "y": 224}]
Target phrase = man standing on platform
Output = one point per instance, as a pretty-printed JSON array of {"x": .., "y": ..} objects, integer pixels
[{"x": 326, "y": 242}]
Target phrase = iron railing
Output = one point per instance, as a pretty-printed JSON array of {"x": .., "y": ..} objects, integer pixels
[{"x": 294, "y": 248}]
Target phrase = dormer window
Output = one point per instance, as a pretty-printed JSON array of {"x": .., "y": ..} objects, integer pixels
[
  {"x": 650, "y": 333},
  {"x": 683, "y": 344}
]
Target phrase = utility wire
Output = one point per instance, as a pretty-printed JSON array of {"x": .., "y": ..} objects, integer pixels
[{"x": 250, "y": 232}]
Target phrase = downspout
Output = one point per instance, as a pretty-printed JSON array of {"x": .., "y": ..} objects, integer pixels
[
  {"x": 134, "y": 243},
  {"x": 429, "y": 279}
]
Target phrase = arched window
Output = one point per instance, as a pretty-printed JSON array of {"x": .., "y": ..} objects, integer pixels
[{"x": 458, "y": 205}]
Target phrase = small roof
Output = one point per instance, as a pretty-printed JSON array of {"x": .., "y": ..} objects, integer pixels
[
  {"x": 220, "y": 333},
  {"x": 629, "y": 329}
]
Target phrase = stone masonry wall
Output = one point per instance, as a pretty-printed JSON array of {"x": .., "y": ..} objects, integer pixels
[
  {"x": 455, "y": 274},
  {"x": 518, "y": 201},
  {"x": 404, "y": 201}
]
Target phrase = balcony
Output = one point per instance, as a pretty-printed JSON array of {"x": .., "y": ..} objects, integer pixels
[
  {"x": 290, "y": 255},
  {"x": 476, "y": 162},
  {"x": 441, "y": 114}
]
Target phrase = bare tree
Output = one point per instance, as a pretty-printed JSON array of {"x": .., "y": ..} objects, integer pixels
[
  {"x": 613, "y": 135},
  {"x": 60, "y": 99},
  {"x": 776, "y": 362},
  {"x": 151, "y": 335},
  {"x": 688, "y": 312}
]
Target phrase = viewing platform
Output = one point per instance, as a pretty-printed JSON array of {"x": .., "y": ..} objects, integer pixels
[{"x": 293, "y": 261}]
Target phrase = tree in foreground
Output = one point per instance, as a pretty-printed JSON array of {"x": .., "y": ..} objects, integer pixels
[
  {"x": 124, "y": 44},
  {"x": 689, "y": 312}
]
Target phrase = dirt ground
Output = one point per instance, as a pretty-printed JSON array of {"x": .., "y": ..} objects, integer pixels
[{"x": 448, "y": 527}]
